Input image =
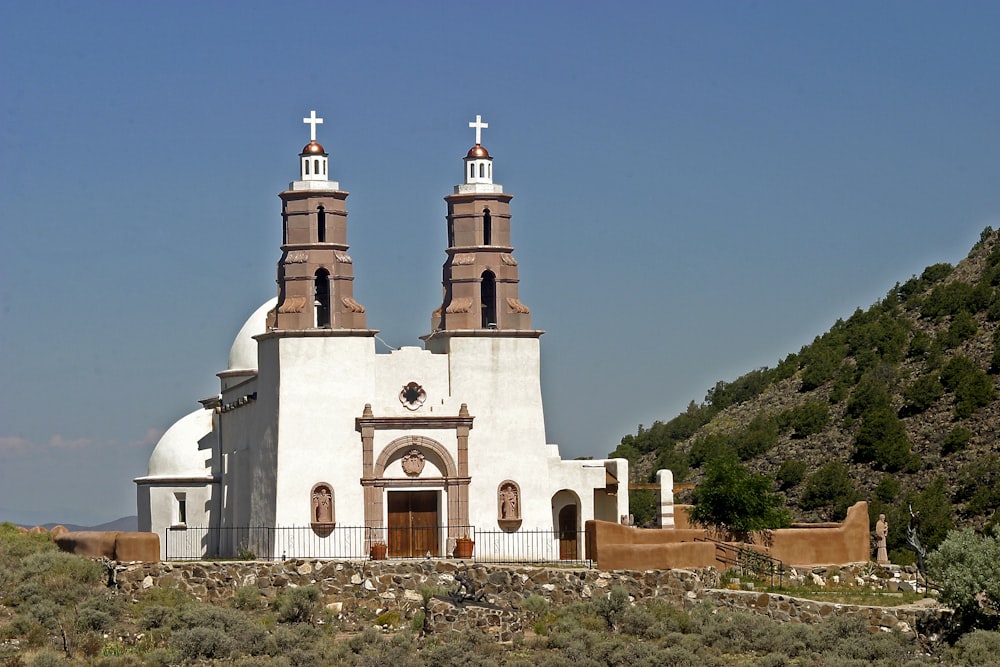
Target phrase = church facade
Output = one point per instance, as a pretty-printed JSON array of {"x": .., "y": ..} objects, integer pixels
[{"x": 316, "y": 445}]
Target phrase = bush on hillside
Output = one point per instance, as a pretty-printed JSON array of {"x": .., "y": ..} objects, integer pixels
[
  {"x": 925, "y": 391},
  {"x": 806, "y": 419},
  {"x": 832, "y": 489},
  {"x": 882, "y": 441},
  {"x": 791, "y": 473}
]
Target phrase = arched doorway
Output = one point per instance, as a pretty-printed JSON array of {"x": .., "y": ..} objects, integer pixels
[{"x": 566, "y": 520}]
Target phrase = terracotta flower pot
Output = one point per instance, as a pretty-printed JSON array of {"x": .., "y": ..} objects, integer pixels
[
  {"x": 463, "y": 548},
  {"x": 378, "y": 551}
]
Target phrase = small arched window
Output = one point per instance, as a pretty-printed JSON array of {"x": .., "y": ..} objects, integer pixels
[
  {"x": 321, "y": 224},
  {"x": 316, "y": 166},
  {"x": 487, "y": 227},
  {"x": 488, "y": 299},
  {"x": 482, "y": 170},
  {"x": 321, "y": 291},
  {"x": 306, "y": 164}
]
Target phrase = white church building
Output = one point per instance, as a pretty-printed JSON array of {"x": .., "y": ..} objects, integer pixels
[{"x": 316, "y": 446}]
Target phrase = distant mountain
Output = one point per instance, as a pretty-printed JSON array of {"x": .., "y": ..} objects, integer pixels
[
  {"x": 126, "y": 523},
  {"x": 896, "y": 405}
]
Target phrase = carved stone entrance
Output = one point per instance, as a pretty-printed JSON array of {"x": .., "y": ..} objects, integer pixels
[{"x": 413, "y": 523}]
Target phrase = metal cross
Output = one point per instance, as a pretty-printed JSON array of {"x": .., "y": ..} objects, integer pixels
[
  {"x": 312, "y": 121},
  {"x": 480, "y": 126}
]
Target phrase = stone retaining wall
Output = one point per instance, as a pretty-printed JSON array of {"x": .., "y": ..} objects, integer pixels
[{"x": 362, "y": 590}]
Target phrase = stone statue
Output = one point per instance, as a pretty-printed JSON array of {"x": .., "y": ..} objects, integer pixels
[
  {"x": 509, "y": 501},
  {"x": 322, "y": 505},
  {"x": 881, "y": 540}
]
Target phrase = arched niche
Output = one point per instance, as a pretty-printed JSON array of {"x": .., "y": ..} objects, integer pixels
[
  {"x": 322, "y": 509},
  {"x": 509, "y": 505},
  {"x": 432, "y": 449}
]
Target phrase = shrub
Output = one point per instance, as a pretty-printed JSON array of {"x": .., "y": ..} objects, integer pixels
[
  {"x": 977, "y": 648},
  {"x": 922, "y": 394},
  {"x": 612, "y": 607},
  {"x": 202, "y": 642},
  {"x": 791, "y": 472},
  {"x": 760, "y": 435},
  {"x": 920, "y": 345},
  {"x": 297, "y": 605},
  {"x": 956, "y": 441},
  {"x": 806, "y": 419},
  {"x": 882, "y": 440},
  {"x": 247, "y": 598},
  {"x": 967, "y": 569},
  {"x": 963, "y": 327},
  {"x": 830, "y": 487}
]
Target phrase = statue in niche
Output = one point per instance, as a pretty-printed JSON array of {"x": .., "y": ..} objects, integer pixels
[
  {"x": 322, "y": 502},
  {"x": 509, "y": 502},
  {"x": 413, "y": 463}
]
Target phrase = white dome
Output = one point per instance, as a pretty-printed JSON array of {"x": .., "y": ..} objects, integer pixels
[
  {"x": 178, "y": 453},
  {"x": 243, "y": 353}
]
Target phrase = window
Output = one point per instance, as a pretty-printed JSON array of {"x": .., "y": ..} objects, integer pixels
[
  {"x": 488, "y": 299},
  {"x": 322, "y": 301},
  {"x": 482, "y": 170},
  {"x": 321, "y": 224},
  {"x": 306, "y": 163},
  {"x": 487, "y": 227},
  {"x": 180, "y": 516}
]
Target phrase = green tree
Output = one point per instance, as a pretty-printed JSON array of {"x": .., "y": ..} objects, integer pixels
[
  {"x": 806, "y": 419},
  {"x": 922, "y": 394},
  {"x": 732, "y": 498},
  {"x": 967, "y": 569},
  {"x": 832, "y": 489},
  {"x": 882, "y": 440}
]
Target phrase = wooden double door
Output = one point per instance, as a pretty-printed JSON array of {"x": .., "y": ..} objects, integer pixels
[{"x": 413, "y": 524}]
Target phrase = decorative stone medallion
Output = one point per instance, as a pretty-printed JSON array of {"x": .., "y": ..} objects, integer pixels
[
  {"x": 413, "y": 463},
  {"x": 412, "y": 396}
]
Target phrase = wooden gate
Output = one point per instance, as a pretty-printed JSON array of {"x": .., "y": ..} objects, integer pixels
[{"x": 413, "y": 524}]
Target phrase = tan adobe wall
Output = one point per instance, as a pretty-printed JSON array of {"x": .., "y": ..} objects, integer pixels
[
  {"x": 848, "y": 542},
  {"x": 616, "y": 547},
  {"x": 116, "y": 545}
]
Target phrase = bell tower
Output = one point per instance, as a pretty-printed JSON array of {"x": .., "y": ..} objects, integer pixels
[
  {"x": 315, "y": 273},
  {"x": 480, "y": 272}
]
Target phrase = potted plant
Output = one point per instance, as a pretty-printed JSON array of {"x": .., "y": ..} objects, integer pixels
[
  {"x": 464, "y": 546},
  {"x": 378, "y": 550}
]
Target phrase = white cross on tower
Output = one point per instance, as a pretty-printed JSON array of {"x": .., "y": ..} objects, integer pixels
[
  {"x": 312, "y": 121},
  {"x": 480, "y": 126}
]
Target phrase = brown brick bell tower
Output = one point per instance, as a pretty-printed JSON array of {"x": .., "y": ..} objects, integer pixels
[
  {"x": 315, "y": 273},
  {"x": 480, "y": 273}
]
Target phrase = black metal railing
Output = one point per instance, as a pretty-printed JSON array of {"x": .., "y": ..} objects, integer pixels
[
  {"x": 747, "y": 560},
  {"x": 361, "y": 542}
]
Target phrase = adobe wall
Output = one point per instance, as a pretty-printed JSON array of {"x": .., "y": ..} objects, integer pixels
[
  {"x": 616, "y": 547},
  {"x": 848, "y": 542},
  {"x": 116, "y": 545}
]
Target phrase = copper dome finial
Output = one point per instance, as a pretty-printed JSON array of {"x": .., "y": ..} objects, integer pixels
[{"x": 478, "y": 151}]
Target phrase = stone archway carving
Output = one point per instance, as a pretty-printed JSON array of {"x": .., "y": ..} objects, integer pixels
[{"x": 411, "y": 442}]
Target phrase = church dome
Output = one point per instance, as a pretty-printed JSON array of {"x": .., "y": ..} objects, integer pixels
[
  {"x": 243, "y": 353},
  {"x": 179, "y": 452},
  {"x": 478, "y": 152},
  {"x": 313, "y": 148}
]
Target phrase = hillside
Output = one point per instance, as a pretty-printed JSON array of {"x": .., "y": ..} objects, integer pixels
[{"x": 896, "y": 405}]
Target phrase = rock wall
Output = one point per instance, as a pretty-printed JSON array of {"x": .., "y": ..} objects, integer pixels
[{"x": 361, "y": 591}]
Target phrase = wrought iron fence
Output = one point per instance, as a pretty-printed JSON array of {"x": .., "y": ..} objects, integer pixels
[{"x": 361, "y": 543}]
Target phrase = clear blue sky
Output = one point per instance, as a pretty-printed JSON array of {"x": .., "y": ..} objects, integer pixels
[{"x": 700, "y": 188}]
